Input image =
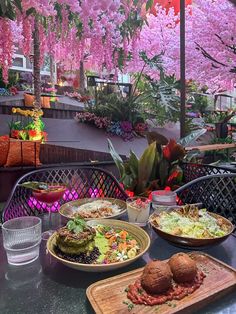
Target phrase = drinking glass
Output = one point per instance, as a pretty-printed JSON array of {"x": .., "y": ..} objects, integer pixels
[
  {"x": 163, "y": 200},
  {"x": 49, "y": 197},
  {"x": 21, "y": 239},
  {"x": 138, "y": 209}
]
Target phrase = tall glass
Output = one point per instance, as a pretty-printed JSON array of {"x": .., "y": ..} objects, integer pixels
[
  {"x": 138, "y": 209},
  {"x": 49, "y": 197}
]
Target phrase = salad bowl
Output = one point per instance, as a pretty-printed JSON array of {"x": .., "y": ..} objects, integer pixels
[
  {"x": 134, "y": 231},
  {"x": 190, "y": 241}
]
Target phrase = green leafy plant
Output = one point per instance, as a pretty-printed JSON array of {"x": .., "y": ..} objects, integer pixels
[
  {"x": 77, "y": 225},
  {"x": 157, "y": 167},
  {"x": 117, "y": 108},
  {"x": 219, "y": 116},
  {"x": 159, "y": 97},
  {"x": 227, "y": 140}
]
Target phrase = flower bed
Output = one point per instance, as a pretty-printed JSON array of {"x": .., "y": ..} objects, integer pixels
[{"x": 124, "y": 129}]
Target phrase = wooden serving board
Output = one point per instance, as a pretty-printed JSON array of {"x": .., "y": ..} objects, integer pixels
[{"x": 108, "y": 296}]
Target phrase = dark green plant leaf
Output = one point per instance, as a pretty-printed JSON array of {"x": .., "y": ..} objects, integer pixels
[
  {"x": 153, "y": 175},
  {"x": 18, "y": 5},
  {"x": 30, "y": 11},
  {"x": 145, "y": 166},
  {"x": 116, "y": 157},
  {"x": 134, "y": 164},
  {"x": 163, "y": 171},
  {"x": 149, "y": 4},
  {"x": 129, "y": 182}
]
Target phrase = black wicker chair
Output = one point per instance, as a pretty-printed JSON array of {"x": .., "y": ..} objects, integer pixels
[
  {"x": 82, "y": 181},
  {"x": 193, "y": 171},
  {"x": 216, "y": 192}
]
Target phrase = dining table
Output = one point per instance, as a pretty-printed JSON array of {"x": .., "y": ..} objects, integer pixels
[{"x": 47, "y": 286}]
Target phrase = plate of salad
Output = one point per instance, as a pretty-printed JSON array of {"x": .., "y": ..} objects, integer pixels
[
  {"x": 98, "y": 245},
  {"x": 191, "y": 227}
]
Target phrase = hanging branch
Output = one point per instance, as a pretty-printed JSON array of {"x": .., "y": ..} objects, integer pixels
[{"x": 207, "y": 55}]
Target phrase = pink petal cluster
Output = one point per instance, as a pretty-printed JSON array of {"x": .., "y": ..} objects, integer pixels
[
  {"x": 83, "y": 31},
  {"x": 210, "y": 29},
  {"x": 6, "y": 46},
  {"x": 42, "y": 7}
]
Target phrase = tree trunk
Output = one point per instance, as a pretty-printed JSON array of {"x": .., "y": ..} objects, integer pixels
[
  {"x": 37, "y": 82},
  {"x": 52, "y": 72},
  {"x": 81, "y": 77}
]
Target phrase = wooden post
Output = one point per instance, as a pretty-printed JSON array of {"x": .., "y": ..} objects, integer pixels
[
  {"x": 52, "y": 72},
  {"x": 36, "y": 68},
  {"x": 81, "y": 77},
  {"x": 182, "y": 69}
]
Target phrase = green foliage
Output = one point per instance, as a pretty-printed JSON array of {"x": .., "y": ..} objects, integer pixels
[
  {"x": 227, "y": 140},
  {"x": 12, "y": 79},
  {"x": 199, "y": 101},
  {"x": 117, "y": 159},
  {"x": 219, "y": 117},
  {"x": 8, "y": 7},
  {"x": 161, "y": 99},
  {"x": 117, "y": 108},
  {"x": 28, "y": 124},
  {"x": 149, "y": 4},
  {"x": 77, "y": 225}
]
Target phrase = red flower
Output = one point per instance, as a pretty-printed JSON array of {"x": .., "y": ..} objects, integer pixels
[
  {"x": 32, "y": 133},
  {"x": 173, "y": 151},
  {"x": 15, "y": 134},
  {"x": 129, "y": 193}
]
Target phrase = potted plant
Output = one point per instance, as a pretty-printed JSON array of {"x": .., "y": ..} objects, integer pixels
[
  {"x": 30, "y": 129},
  {"x": 157, "y": 168},
  {"x": 220, "y": 119}
]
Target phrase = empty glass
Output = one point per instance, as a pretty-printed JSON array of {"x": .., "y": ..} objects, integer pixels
[
  {"x": 21, "y": 239},
  {"x": 138, "y": 209}
]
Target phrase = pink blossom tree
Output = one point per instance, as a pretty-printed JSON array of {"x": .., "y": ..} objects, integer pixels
[
  {"x": 69, "y": 31},
  {"x": 210, "y": 44}
]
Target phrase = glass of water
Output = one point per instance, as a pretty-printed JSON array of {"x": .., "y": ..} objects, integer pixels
[{"x": 21, "y": 239}]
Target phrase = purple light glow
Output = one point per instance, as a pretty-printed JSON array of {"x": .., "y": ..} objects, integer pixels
[
  {"x": 94, "y": 192},
  {"x": 67, "y": 197},
  {"x": 40, "y": 206}
]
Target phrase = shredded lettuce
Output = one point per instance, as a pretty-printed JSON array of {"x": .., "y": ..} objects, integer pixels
[{"x": 200, "y": 227}]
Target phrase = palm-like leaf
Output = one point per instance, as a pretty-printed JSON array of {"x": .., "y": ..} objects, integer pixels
[
  {"x": 117, "y": 159},
  {"x": 145, "y": 167}
]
